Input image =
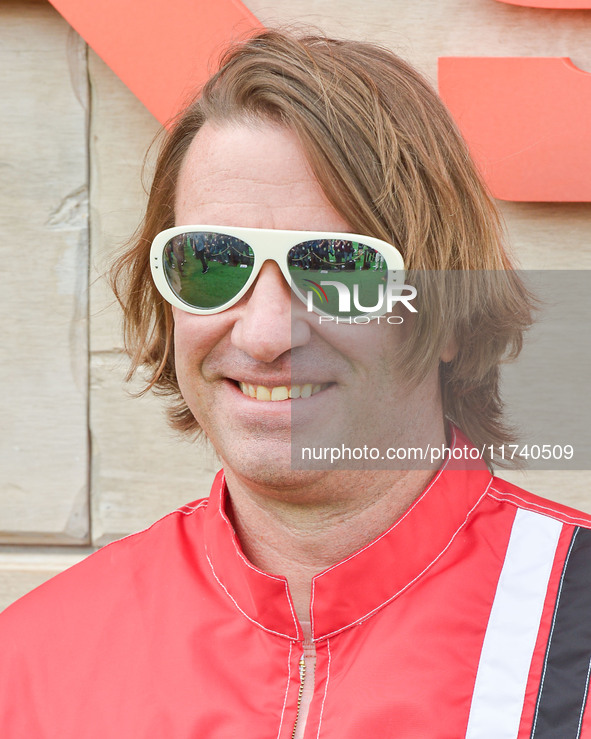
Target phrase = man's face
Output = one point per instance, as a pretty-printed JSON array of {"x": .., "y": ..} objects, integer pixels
[{"x": 257, "y": 176}]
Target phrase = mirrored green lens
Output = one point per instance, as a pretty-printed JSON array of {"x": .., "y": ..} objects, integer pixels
[
  {"x": 339, "y": 277},
  {"x": 206, "y": 270}
]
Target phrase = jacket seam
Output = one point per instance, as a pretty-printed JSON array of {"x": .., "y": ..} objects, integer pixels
[
  {"x": 237, "y": 549},
  {"x": 185, "y": 510},
  {"x": 252, "y": 620},
  {"x": 255, "y": 569},
  {"x": 538, "y": 508}
]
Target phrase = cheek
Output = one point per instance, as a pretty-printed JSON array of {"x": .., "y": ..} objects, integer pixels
[
  {"x": 197, "y": 340},
  {"x": 368, "y": 344},
  {"x": 185, "y": 335},
  {"x": 192, "y": 343}
]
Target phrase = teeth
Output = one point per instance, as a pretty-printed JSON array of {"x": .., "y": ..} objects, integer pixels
[
  {"x": 281, "y": 392},
  {"x": 263, "y": 393}
]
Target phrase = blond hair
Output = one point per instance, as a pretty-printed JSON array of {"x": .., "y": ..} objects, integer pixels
[{"x": 391, "y": 161}]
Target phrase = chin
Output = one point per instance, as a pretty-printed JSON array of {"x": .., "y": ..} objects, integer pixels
[{"x": 272, "y": 473}]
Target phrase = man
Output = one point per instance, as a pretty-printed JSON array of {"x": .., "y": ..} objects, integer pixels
[
  {"x": 198, "y": 247},
  {"x": 408, "y": 602}
]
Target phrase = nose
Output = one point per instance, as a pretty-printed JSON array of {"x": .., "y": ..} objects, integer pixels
[{"x": 270, "y": 320}]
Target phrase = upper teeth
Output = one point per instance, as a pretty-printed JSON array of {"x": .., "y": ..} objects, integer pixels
[{"x": 260, "y": 392}]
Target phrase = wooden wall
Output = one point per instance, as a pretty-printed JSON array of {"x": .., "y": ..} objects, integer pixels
[{"x": 81, "y": 462}]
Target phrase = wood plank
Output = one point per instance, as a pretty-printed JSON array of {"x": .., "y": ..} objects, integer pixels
[
  {"x": 43, "y": 224},
  {"x": 549, "y": 235}
]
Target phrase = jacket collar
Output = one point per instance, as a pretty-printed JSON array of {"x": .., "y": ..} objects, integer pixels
[{"x": 357, "y": 587}]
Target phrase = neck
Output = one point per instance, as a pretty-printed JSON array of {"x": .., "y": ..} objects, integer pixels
[{"x": 298, "y": 536}]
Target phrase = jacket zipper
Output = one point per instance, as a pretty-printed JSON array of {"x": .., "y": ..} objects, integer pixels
[{"x": 302, "y": 666}]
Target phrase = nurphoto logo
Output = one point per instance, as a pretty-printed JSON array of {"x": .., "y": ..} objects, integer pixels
[{"x": 387, "y": 298}]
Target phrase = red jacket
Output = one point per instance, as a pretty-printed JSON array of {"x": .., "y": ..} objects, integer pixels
[{"x": 471, "y": 616}]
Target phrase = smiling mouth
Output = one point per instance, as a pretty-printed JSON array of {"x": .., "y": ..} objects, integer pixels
[{"x": 282, "y": 392}]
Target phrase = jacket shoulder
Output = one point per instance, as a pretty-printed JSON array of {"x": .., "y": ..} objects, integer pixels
[
  {"x": 507, "y": 492},
  {"x": 106, "y": 573}
]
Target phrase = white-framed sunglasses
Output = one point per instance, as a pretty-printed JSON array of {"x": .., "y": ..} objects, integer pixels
[{"x": 207, "y": 269}]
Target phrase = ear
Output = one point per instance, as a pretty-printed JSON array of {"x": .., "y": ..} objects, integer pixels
[{"x": 449, "y": 351}]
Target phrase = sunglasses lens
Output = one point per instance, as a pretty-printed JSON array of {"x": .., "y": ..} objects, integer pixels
[
  {"x": 339, "y": 277},
  {"x": 207, "y": 270}
]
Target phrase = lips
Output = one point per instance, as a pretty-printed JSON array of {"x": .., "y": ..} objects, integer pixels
[{"x": 280, "y": 392}]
